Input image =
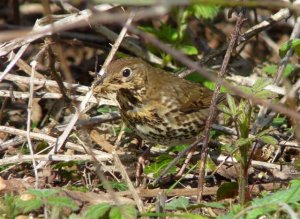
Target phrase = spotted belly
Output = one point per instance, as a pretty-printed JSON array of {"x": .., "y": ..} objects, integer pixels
[{"x": 163, "y": 130}]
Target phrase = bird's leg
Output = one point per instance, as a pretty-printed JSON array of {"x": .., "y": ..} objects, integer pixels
[{"x": 141, "y": 165}]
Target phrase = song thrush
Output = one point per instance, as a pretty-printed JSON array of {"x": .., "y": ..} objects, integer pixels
[{"x": 156, "y": 105}]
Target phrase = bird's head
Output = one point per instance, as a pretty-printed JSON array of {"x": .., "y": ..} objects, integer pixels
[{"x": 125, "y": 73}]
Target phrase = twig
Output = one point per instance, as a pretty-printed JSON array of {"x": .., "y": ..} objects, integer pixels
[
  {"x": 148, "y": 193},
  {"x": 75, "y": 21},
  {"x": 45, "y": 95},
  {"x": 212, "y": 108},
  {"x": 13, "y": 61},
  {"x": 125, "y": 176},
  {"x": 55, "y": 157},
  {"x": 45, "y": 82},
  {"x": 33, "y": 64}
]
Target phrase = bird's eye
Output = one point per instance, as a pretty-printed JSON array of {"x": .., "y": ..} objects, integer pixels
[{"x": 126, "y": 72}]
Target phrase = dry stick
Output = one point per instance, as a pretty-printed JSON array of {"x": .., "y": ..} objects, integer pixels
[
  {"x": 125, "y": 176},
  {"x": 81, "y": 19},
  {"x": 46, "y": 95},
  {"x": 213, "y": 105},
  {"x": 45, "y": 82},
  {"x": 50, "y": 139},
  {"x": 14, "y": 60},
  {"x": 55, "y": 157},
  {"x": 29, "y": 110}
]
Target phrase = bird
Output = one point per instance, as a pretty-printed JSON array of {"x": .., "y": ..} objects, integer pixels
[{"x": 155, "y": 104}]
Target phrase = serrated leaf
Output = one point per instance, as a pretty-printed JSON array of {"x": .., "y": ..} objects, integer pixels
[
  {"x": 43, "y": 192},
  {"x": 123, "y": 212},
  {"x": 97, "y": 211},
  {"x": 61, "y": 202},
  {"x": 271, "y": 202},
  {"x": 29, "y": 205},
  {"x": 268, "y": 139},
  {"x": 177, "y": 203},
  {"x": 260, "y": 84},
  {"x": 246, "y": 90},
  {"x": 204, "y": 11}
]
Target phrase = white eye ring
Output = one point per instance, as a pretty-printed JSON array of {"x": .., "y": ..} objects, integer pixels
[{"x": 126, "y": 72}]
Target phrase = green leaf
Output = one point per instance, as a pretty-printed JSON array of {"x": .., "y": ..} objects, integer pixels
[
  {"x": 231, "y": 104},
  {"x": 270, "y": 69},
  {"x": 213, "y": 205},
  {"x": 62, "y": 202},
  {"x": 265, "y": 94},
  {"x": 161, "y": 162},
  {"x": 289, "y": 69},
  {"x": 270, "y": 203},
  {"x": 29, "y": 205},
  {"x": 165, "y": 32},
  {"x": 268, "y": 139},
  {"x": 43, "y": 193},
  {"x": 177, "y": 203},
  {"x": 97, "y": 211},
  {"x": 123, "y": 212},
  {"x": 188, "y": 49},
  {"x": 242, "y": 141},
  {"x": 107, "y": 109},
  {"x": 120, "y": 186},
  {"x": 279, "y": 121},
  {"x": 260, "y": 84},
  {"x": 203, "y": 11},
  {"x": 227, "y": 190},
  {"x": 291, "y": 44}
]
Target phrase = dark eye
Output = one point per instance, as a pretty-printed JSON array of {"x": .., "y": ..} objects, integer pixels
[{"x": 126, "y": 72}]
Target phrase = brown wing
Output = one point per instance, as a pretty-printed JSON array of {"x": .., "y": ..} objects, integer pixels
[{"x": 190, "y": 96}]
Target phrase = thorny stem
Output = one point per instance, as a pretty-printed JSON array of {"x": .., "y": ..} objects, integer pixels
[{"x": 210, "y": 119}]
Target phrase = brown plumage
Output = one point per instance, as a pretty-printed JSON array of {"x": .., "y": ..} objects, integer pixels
[{"x": 156, "y": 105}]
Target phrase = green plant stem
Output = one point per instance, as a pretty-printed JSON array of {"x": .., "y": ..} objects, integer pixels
[{"x": 243, "y": 175}]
